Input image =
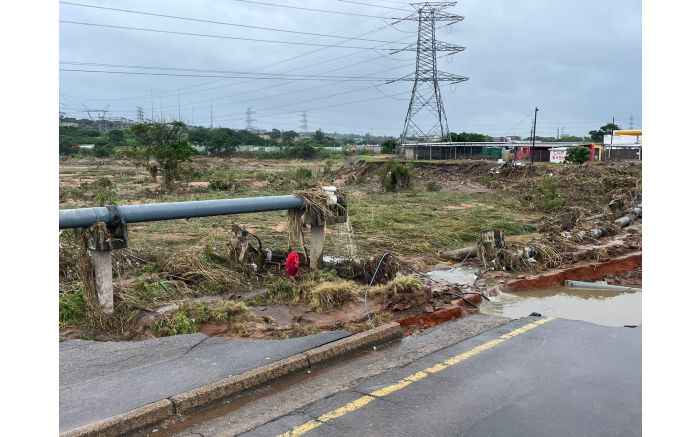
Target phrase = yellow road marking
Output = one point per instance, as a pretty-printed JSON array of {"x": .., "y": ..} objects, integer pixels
[{"x": 364, "y": 400}]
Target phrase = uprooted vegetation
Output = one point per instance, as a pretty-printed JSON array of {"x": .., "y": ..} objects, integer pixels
[{"x": 179, "y": 276}]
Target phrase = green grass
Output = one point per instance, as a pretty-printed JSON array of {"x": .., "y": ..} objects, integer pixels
[
  {"x": 72, "y": 308},
  {"x": 413, "y": 223}
]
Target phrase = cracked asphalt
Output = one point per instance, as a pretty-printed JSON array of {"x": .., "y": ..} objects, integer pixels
[
  {"x": 560, "y": 378},
  {"x": 98, "y": 380}
]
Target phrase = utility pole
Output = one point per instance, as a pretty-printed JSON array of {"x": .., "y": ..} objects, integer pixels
[
  {"x": 151, "y": 105},
  {"x": 534, "y": 132},
  {"x": 179, "y": 118},
  {"x": 631, "y": 125},
  {"x": 426, "y": 119}
]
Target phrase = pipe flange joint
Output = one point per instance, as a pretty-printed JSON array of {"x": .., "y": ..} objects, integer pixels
[{"x": 115, "y": 215}]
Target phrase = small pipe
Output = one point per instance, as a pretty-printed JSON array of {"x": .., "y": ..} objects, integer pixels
[
  {"x": 593, "y": 285},
  {"x": 84, "y": 217}
]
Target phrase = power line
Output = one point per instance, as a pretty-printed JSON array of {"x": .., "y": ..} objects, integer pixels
[
  {"x": 374, "y": 6},
  {"x": 200, "y": 70},
  {"x": 223, "y": 23},
  {"x": 147, "y": 73},
  {"x": 287, "y": 60},
  {"x": 310, "y": 9},
  {"x": 205, "y": 35}
]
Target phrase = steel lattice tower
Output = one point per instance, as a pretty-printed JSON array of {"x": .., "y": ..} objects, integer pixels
[
  {"x": 426, "y": 119},
  {"x": 249, "y": 120}
]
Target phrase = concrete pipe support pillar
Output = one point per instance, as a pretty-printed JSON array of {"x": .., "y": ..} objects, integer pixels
[
  {"x": 317, "y": 237},
  {"x": 102, "y": 238},
  {"x": 102, "y": 264}
]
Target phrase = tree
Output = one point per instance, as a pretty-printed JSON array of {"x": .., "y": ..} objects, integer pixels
[
  {"x": 275, "y": 134},
  {"x": 598, "y": 135},
  {"x": 288, "y": 136},
  {"x": 165, "y": 143},
  {"x": 389, "y": 146},
  {"x": 115, "y": 137},
  {"x": 198, "y": 135},
  {"x": 578, "y": 155},
  {"x": 471, "y": 137},
  {"x": 319, "y": 136},
  {"x": 221, "y": 142}
]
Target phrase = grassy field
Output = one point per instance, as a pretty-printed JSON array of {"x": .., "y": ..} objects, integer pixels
[{"x": 446, "y": 207}]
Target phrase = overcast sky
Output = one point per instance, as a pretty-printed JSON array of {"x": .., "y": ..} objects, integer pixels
[{"x": 579, "y": 62}]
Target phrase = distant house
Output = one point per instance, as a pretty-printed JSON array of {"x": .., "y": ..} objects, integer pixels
[
  {"x": 86, "y": 146},
  {"x": 265, "y": 137},
  {"x": 67, "y": 124}
]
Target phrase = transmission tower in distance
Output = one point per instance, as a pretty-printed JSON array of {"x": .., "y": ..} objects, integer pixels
[
  {"x": 101, "y": 115},
  {"x": 426, "y": 119},
  {"x": 249, "y": 120},
  {"x": 631, "y": 125},
  {"x": 304, "y": 124},
  {"x": 139, "y": 114}
]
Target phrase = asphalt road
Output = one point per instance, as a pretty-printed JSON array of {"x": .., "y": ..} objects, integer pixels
[
  {"x": 552, "y": 378},
  {"x": 98, "y": 380}
]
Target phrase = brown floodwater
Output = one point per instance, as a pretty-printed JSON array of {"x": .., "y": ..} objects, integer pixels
[{"x": 603, "y": 307}]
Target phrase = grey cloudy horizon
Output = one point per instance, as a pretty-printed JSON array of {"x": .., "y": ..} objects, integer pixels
[{"x": 579, "y": 62}]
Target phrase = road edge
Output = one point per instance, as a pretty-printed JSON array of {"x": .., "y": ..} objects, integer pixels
[{"x": 204, "y": 396}]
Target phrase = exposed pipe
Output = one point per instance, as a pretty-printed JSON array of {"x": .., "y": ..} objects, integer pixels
[
  {"x": 593, "y": 285},
  {"x": 84, "y": 217}
]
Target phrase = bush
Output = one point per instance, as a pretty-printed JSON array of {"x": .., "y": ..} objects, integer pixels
[
  {"x": 222, "y": 181},
  {"x": 395, "y": 176},
  {"x": 302, "y": 173},
  {"x": 389, "y": 146},
  {"x": 549, "y": 189},
  {"x": 104, "y": 192},
  {"x": 433, "y": 186},
  {"x": 578, "y": 155}
]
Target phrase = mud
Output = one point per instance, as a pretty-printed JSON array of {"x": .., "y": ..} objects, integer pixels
[{"x": 615, "y": 266}]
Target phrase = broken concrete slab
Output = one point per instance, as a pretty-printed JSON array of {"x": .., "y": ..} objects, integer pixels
[{"x": 115, "y": 377}]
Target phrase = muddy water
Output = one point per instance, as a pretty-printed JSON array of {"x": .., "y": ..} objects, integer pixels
[
  {"x": 459, "y": 275},
  {"x": 603, "y": 307}
]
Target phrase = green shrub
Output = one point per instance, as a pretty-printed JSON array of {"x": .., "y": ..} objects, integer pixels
[
  {"x": 302, "y": 173},
  {"x": 395, "y": 176},
  {"x": 327, "y": 167},
  {"x": 433, "y": 186},
  {"x": 550, "y": 199},
  {"x": 222, "y": 181},
  {"x": 104, "y": 192},
  {"x": 578, "y": 155},
  {"x": 389, "y": 146}
]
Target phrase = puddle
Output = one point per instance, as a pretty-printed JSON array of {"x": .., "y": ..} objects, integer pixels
[
  {"x": 603, "y": 307},
  {"x": 460, "y": 275}
]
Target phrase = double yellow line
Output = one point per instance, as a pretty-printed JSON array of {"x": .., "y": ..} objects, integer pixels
[{"x": 364, "y": 400}]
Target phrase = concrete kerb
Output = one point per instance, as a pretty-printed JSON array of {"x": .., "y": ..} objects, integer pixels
[
  {"x": 126, "y": 422},
  {"x": 201, "y": 397}
]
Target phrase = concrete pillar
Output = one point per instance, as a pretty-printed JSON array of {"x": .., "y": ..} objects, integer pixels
[
  {"x": 102, "y": 263},
  {"x": 317, "y": 237}
]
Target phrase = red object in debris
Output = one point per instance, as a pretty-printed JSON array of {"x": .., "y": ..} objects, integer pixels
[{"x": 292, "y": 264}]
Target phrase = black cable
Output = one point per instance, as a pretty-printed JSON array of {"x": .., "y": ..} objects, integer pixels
[
  {"x": 223, "y": 23},
  {"x": 312, "y": 9},
  {"x": 206, "y": 35},
  {"x": 145, "y": 73}
]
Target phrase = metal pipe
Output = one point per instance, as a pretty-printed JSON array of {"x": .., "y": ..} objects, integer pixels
[
  {"x": 84, "y": 217},
  {"x": 593, "y": 285}
]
